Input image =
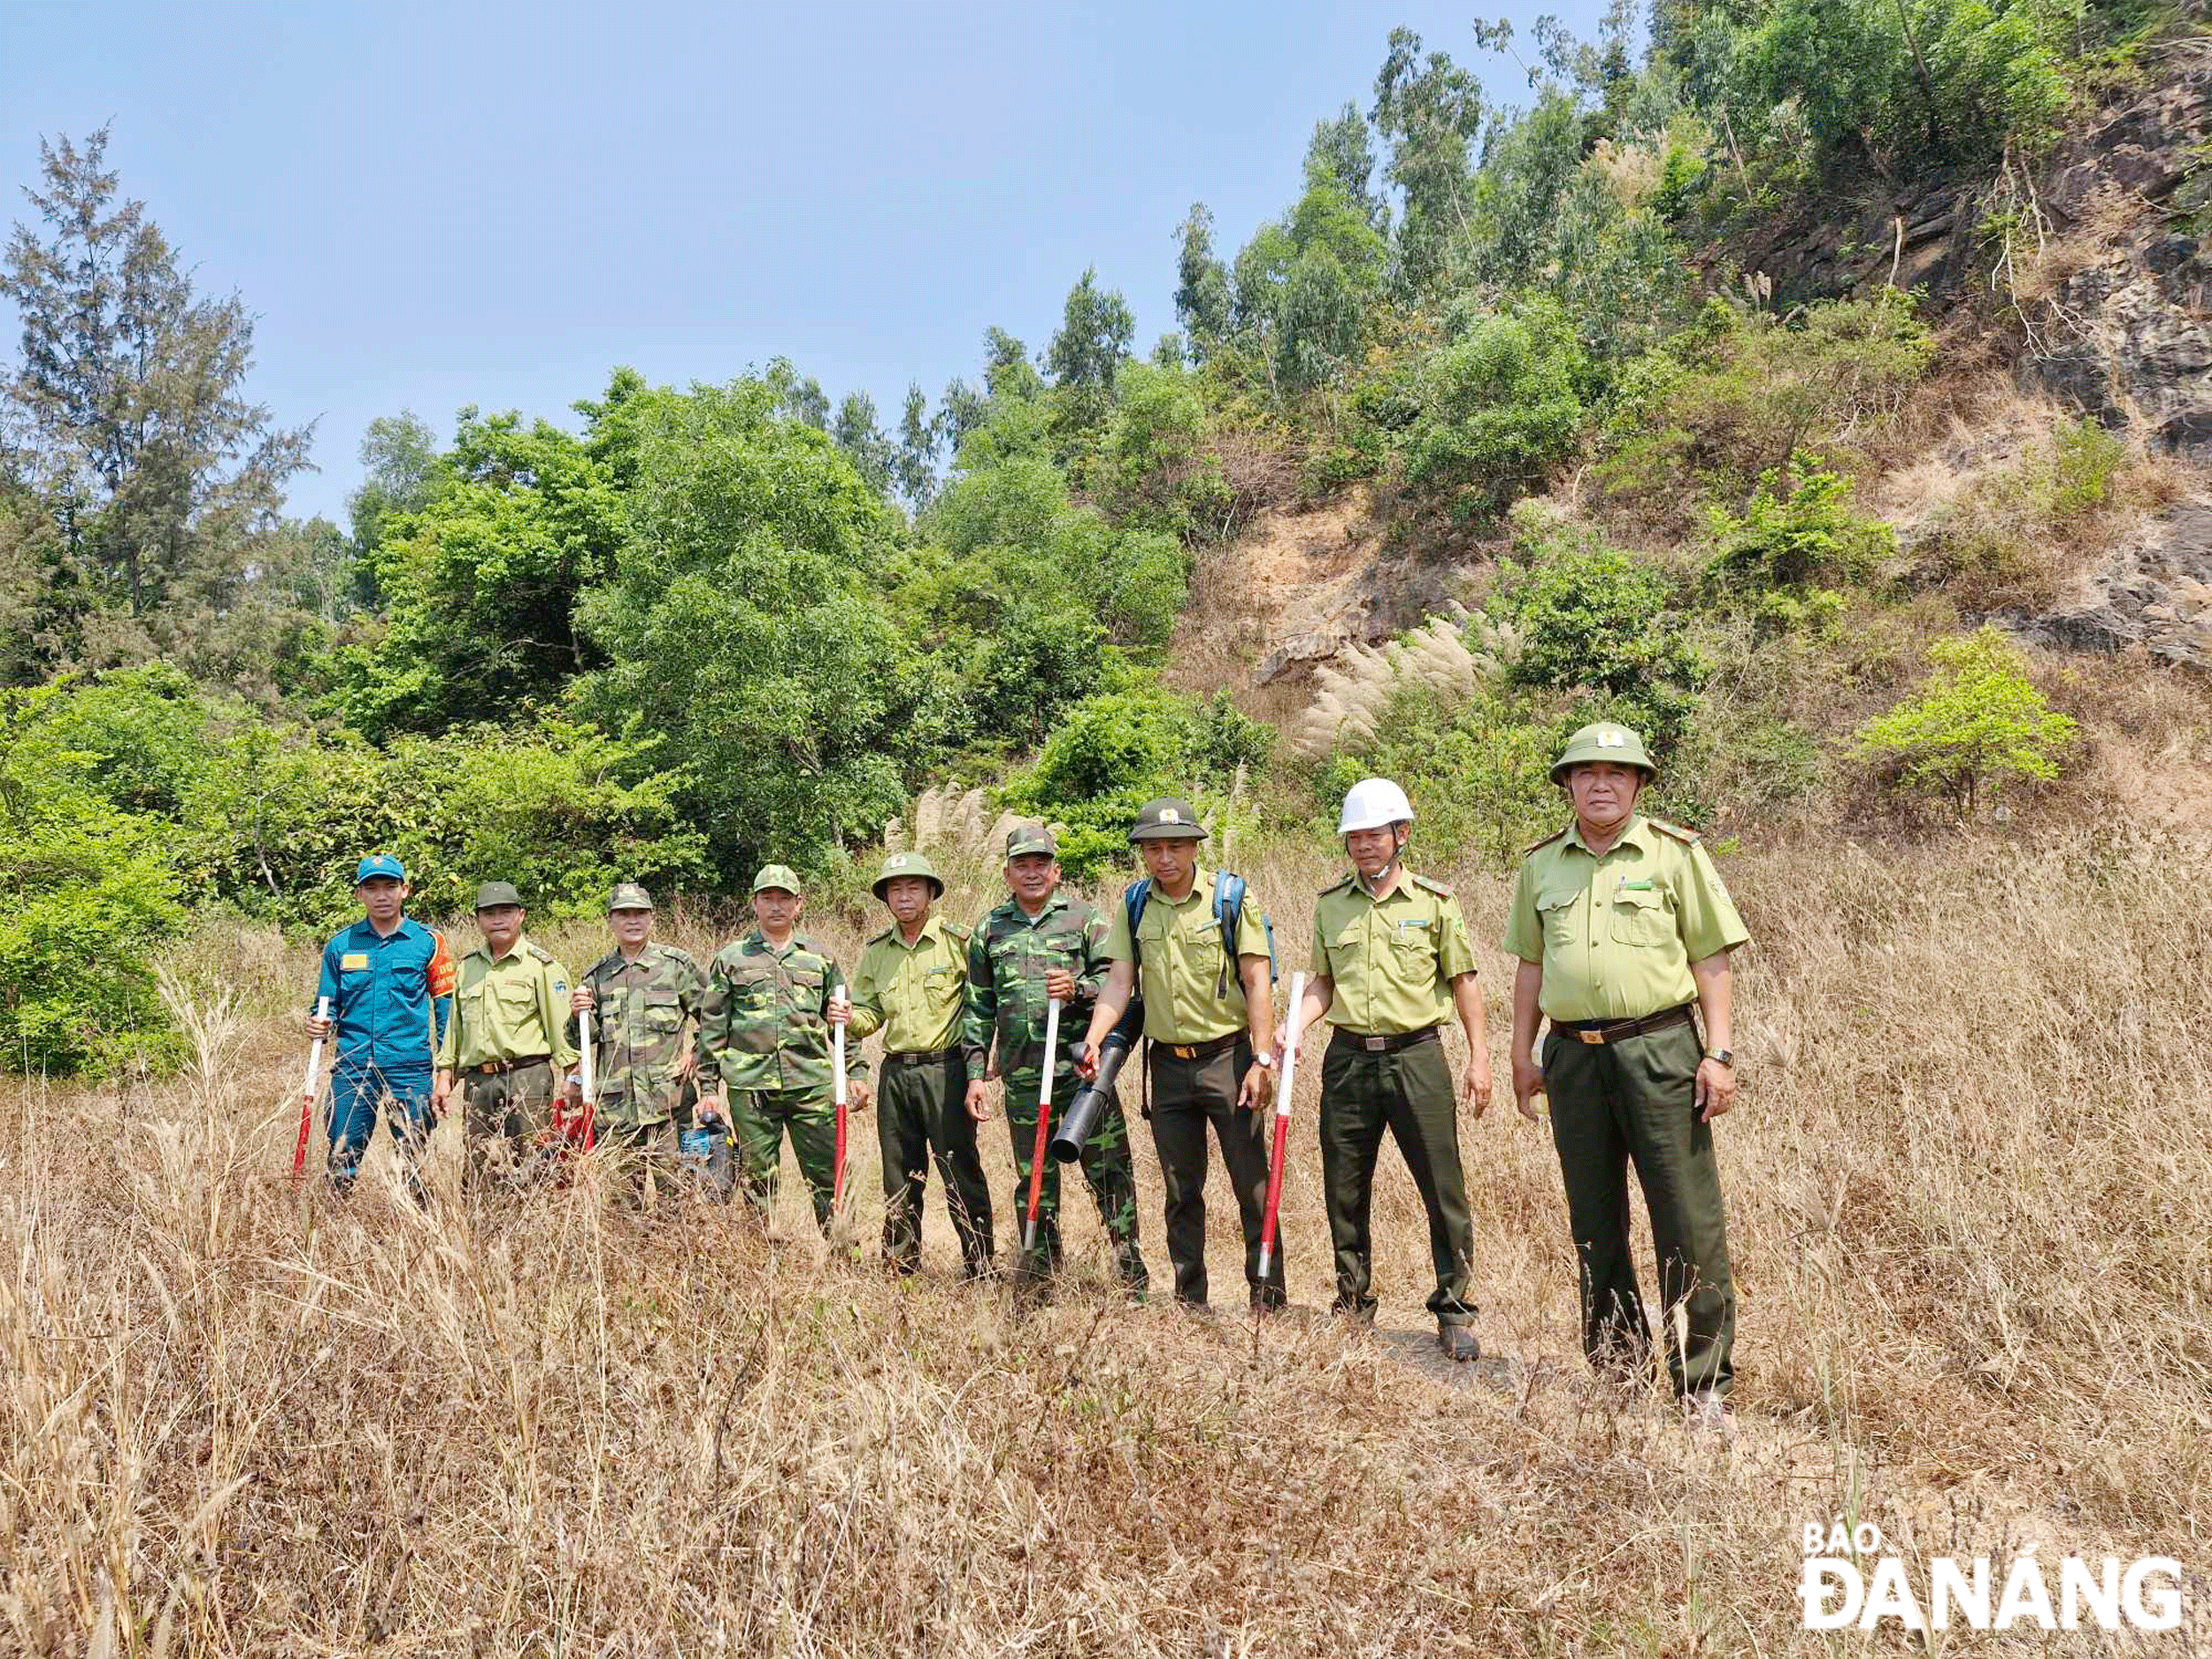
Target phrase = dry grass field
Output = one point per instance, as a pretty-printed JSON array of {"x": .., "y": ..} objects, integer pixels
[{"x": 1970, "y": 1182}]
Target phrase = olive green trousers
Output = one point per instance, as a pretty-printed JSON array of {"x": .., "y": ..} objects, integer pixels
[
  {"x": 922, "y": 1119},
  {"x": 1633, "y": 1100}
]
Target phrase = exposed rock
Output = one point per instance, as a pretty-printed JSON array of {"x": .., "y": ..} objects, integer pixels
[{"x": 2156, "y": 594}]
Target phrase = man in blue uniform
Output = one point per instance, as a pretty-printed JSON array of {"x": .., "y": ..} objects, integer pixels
[{"x": 388, "y": 980}]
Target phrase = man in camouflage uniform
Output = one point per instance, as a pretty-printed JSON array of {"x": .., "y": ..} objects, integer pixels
[
  {"x": 764, "y": 1045},
  {"x": 507, "y": 1043},
  {"x": 646, "y": 998},
  {"x": 1040, "y": 944},
  {"x": 911, "y": 985}
]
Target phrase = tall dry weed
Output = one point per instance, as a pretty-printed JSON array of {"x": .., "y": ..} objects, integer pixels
[{"x": 1971, "y": 1194}]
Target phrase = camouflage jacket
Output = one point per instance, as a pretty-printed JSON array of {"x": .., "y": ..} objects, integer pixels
[
  {"x": 1007, "y": 959},
  {"x": 637, "y": 1029},
  {"x": 762, "y": 1021}
]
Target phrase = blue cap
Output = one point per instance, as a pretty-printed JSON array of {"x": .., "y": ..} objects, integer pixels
[{"x": 385, "y": 864}]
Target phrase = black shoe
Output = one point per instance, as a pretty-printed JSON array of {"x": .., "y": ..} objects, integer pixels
[{"x": 1458, "y": 1342}]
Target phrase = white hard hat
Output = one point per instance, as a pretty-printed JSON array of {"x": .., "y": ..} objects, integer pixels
[{"x": 1372, "y": 803}]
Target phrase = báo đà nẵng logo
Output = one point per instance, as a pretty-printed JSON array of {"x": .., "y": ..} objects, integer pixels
[{"x": 1847, "y": 1580}]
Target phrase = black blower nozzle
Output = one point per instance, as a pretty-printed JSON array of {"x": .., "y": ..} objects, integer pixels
[{"x": 1078, "y": 1122}]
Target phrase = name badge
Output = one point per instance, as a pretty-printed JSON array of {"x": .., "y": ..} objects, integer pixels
[{"x": 353, "y": 959}]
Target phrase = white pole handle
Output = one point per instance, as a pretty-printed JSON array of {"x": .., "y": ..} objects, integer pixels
[
  {"x": 837, "y": 1048},
  {"x": 587, "y": 1064},
  {"x": 1052, "y": 1054},
  {"x": 1290, "y": 1047},
  {"x": 315, "y": 1050}
]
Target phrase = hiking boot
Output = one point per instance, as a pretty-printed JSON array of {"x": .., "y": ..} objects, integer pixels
[{"x": 1458, "y": 1343}]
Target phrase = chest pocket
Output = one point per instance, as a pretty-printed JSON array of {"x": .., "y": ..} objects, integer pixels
[
  {"x": 1561, "y": 913},
  {"x": 515, "y": 996},
  {"x": 661, "y": 1015},
  {"x": 1641, "y": 917},
  {"x": 1413, "y": 952},
  {"x": 1344, "y": 950}
]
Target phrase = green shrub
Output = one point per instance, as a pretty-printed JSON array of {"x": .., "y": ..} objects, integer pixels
[
  {"x": 89, "y": 893},
  {"x": 1798, "y": 529},
  {"x": 1498, "y": 408},
  {"x": 1977, "y": 726},
  {"x": 2083, "y": 457}
]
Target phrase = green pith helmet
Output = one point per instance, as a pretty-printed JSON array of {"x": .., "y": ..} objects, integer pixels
[
  {"x": 493, "y": 895},
  {"x": 627, "y": 896},
  {"x": 1031, "y": 838},
  {"x": 779, "y": 876},
  {"x": 1168, "y": 818},
  {"x": 908, "y": 865},
  {"x": 1604, "y": 741}
]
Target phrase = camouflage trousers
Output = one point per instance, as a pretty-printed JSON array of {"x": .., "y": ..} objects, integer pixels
[
  {"x": 760, "y": 1118},
  {"x": 1107, "y": 1169}
]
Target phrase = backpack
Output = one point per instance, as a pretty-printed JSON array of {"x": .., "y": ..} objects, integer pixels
[{"x": 1229, "y": 891}]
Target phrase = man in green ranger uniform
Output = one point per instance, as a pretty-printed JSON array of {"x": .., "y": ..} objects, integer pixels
[
  {"x": 1623, "y": 929},
  {"x": 507, "y": 1043},
  {"x": 911, "y": 985},
  {"x": 764, "y": 1047},
  {"x": 1038, "y": 945},
  {"x": 645, "y": 997},
  {"x": 1390, "y": 962}
]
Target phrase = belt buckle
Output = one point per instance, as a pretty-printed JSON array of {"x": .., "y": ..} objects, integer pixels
[
  {"x": 1374, "y": 1045},
  {"x": 1182, "y": 1051},
  {"x": 1591, "y": 1036}
]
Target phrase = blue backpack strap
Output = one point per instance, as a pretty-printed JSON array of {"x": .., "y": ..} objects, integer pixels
[
  {"x": 1229, "y": 891},
  {"x": 1132, "y": 898}
]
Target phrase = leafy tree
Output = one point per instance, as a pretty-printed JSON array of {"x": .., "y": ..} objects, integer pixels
[
  {"x": 1307, "y": 286},
  {"x": 798, "y": 397},
  {"x": 1201, "y": 283},
  {"x": 482, "y": 583},
  {"x": 914, "y": 463},
  {"x": 744, "y": 650},
  {"x": 1342, "y": 152},
  {"x": 1978, "y": 725},
  {"x": 403, "y": 472},
  {"x": 1429, "y": 109},
  {"x": 163, "y": 480},
  {"x": 1007, "y": 371},
  {"x": 1095, "y": 329},
  {"x": 1156, "y": 471},
  {"x": 89, "y": 892},
  {"x": 862, "y": 440}
]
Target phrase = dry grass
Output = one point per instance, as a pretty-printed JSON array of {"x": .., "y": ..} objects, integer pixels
[{"x": 1972, "y": 1200}]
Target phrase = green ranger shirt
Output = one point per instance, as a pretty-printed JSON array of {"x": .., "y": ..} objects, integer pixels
[
  {"x": 764, "y": 1021},
  {"x": 1007, "y": 959},
  {"x": 1616, "y": 935},
  {"x": 638, "y": 1031},
  {"x": 1177, "y": 953},
  {"x": 1391, "y": 961},
  {"x": 513, "y": 1009},
  {"x": 914, "y": 994}
]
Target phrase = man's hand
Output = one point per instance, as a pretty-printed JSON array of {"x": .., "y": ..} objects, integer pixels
[
  {"x": 1060, "y": 983},
  {"x": 1528, "y": 1083},
  {"x": 581, "y": 1000},
  {"x": 839, "y": 1011},
  {"x": 1474, "y": 1083},
  {"x": 712, "y": 1109},
  {"x": 979, "y": 1102},
  {"x": 858, "y": 1094},
  {"x": 441, "y": 1094},
  {"x": 1258, "y": 1092},
  {"x": 320, "y": 1028},
  {"x": 1086, "y": 1061},
  {"x": 1715, "y": 1088}
]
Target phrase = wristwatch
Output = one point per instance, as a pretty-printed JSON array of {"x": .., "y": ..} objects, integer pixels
[
  {"x": 1726, "y": 1057},
  {"x": 1267, "y": 1060}
]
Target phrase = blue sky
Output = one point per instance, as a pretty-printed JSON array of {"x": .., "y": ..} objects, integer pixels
[{"x": 429, "y": 206}]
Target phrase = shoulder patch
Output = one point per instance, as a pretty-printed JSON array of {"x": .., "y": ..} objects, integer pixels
[
  {"x": 957, "y": 934},
  {"x": 537, "y": 950},
  {"x": 877, "y": 939},
  {"x": 1336, "y": 887},
  {"x": 1436, "y": 887},
  {"x": 1558, "y": 834},
  {"x": 1688, "y": 837}
]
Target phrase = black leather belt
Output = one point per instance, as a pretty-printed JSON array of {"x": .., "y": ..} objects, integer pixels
[
  {"x": 1620, "y": 1030},
  {"x": 1383, "y": 1045},
  {"x": 1205, "y": 1050},
  {"x": 494, "y": 1068},
  {"x": 921, "y": 1057}
]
